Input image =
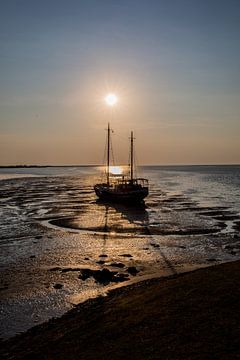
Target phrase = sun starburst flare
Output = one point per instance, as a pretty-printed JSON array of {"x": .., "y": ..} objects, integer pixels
[{"x": 111, "y": 99}]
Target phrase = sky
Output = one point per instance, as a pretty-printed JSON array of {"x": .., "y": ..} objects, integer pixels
[{"x": 174, "y": 65}]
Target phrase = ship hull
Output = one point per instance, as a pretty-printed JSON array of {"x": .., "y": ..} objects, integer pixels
[{"x": 131, "y": 196}]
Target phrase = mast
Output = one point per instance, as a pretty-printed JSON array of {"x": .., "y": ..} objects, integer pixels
[
  {"x": 131, "y": 157},
  {"x": 108, "y": 153}
]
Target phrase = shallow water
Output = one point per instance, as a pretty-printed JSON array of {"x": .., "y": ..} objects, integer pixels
[{"x": 52, "y": 228}]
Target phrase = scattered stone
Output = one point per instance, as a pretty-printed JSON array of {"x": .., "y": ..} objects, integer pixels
[
  {"x": 86, "y": 258},
  {"x": 211, "y": 259},
  {"x": 85, "y": 274},
  {"x": 104, "y": 276},
  {"x": 58, "y": 286},
  {"x": 38, "y": 237},
  {"x": 121, "y": 277},
  {"x": 103, "y": 255},
  {"x": 55, "y": 268},
  {"x": 233, "y": 252},
  {"x": 118, "y": 265},
  {"x": 146, "y": 248},
  {"x": 132, "y": 270},
  {"x": 126, "y": 255},
  {"x": 100, "y": 262},
  {"x": 32, "y": 256}
]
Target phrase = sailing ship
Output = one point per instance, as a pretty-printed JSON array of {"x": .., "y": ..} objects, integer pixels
[{"x": 129, "y": 189}]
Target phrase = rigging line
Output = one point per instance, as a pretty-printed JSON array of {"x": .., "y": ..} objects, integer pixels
[
  {"x": 138, "y": 165},
  {"x": 135, "y": 164},
  {"x": 103, "y": 171},
  {"x": 111, "y": 148},
  {"x": 105, "y": 152},
  {"x": 121, "y": 138}
]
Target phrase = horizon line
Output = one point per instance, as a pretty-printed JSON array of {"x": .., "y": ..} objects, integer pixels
[{"x": 97, "y": 165}]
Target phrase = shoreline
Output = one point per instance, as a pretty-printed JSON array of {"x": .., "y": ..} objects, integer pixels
[
  {"x": 9, "y": 176},
  {"x": 191, "y": 315}
]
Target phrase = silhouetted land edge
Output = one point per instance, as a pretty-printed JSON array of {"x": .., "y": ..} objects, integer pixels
[
  {"x": 189, "y": 316},
  {"x": 41, "y": 166}
]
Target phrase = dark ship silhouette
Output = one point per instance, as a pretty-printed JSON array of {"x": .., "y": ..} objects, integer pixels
[{"x": 128, "y": 190}]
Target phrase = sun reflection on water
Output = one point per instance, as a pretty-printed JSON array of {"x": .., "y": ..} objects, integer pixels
[{"x": 116, "y": 170}]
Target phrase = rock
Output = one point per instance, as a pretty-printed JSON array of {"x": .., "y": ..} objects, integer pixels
[
  {"x": 103, "y": 255},
  {"x": 55, "y": 268},
  {"x": 118, "y": 265},
  {"x": 211, "y": 259},
  {"x": 86, "y": 258},
  {"x": 126, "y": 255},
  {"x": 85, "y": 274},
  {"x": 58, "y": 286},
  {"x": 38, "y": 237},
  {"x": 121, "y": 277},
  {"x": 32, "y": 256},
  {"x": 100, "y": 262},
  {"x": 132, "y": 270},
  {"x": 104, "y": 276}
]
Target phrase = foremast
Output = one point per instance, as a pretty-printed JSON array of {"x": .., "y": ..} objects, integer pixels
[
  {"x": 131, "y": 157},
  {"x": 108, "y": 153}
]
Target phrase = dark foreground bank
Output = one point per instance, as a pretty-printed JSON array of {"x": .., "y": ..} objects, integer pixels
[{"x": 189, "y": 316}]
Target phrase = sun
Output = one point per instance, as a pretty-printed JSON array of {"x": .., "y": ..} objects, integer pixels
[{"x": 111, "y": 99}]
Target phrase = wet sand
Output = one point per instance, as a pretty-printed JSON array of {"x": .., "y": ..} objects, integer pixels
[
  {"x": 60, "y": 247},
  {"x": 189, "y": 316}
]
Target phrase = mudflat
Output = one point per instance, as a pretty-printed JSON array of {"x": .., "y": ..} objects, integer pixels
[{"x": 188, "y": 316}]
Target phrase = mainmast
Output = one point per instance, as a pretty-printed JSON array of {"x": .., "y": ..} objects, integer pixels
[
  {"x": 108, "y": 153},
  {"x": 131, "y": 157}
]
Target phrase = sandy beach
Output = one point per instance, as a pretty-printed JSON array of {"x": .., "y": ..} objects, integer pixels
[{"x": 189, "y": 316}]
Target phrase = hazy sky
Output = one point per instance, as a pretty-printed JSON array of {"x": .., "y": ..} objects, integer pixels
[{"x": 175, "y": 65}]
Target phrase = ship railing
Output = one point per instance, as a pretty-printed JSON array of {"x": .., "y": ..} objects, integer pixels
[{"x": 127, "y": 182}]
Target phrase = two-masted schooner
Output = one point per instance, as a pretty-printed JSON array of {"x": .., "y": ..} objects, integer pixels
[{"x": 129, "y": 190}]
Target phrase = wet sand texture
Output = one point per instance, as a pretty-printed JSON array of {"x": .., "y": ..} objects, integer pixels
[
  {"x": 189, "y": 316},
  {"x": 60, "y": 246}
]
